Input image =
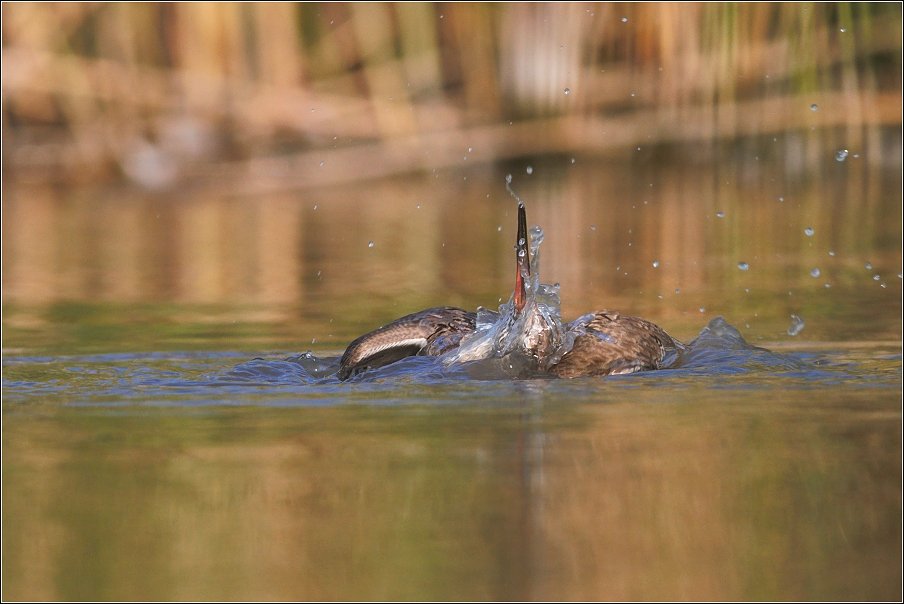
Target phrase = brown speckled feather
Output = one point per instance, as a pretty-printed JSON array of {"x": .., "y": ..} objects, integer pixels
[
  {"x": 614, "y": 344},
  {"x": 430, "y": 332}
]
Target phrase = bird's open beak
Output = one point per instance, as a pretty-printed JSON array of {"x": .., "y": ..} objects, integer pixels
[{"x": 522, "y": 257}]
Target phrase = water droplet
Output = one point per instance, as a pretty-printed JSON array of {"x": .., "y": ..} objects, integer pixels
[
  {"x": 660, "y": 296},
  {"x": 530, "y": 170},
  {"x": 869, "y": 266},
  {"x": 470, "y": 149},
  {"x": 521, "y": 241},
  {"x": 842, "y": 30},
  {"x": 841, "y": 155},
  {"x": 499, "y": 228},
  {"x": 831, "y": 253},
  {"x": 781, "y": 199},
  {"x": 624, "y": 19},
  {"x": 315, "y": 207},
  {"x": 828, "y": 286},
  {"x": 702, "y": 309},
  {"x": 900, "y": 275},
  {"x": 883, "y": 285},
  {"x": 809, "y": 232},
  {"x": 743, "y": 266},
  {"x": 814, "y": 272},
  {"x": 567, "y": 91},
  {"x": 720, "y": 214},
  {"x": 814, "y": 107},
  {"x": 677, "y": 291},
  {"x": 465, "y": 157},
  {"x": 418, "y": 207},
  {"x": 321, "y": 163},
  {"x": 508, "y": 179},
  {"x": 521, "y": 253},
  {"x": 370, "y": 244},
  {"x": 875, "y": 277},
  {"x": 572, "y": 160},
  {"x": 655, "y": 263},
  {"x": 797, "y": 324}
]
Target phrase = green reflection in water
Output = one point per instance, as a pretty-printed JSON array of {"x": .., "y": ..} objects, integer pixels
[{"x": 551, "y": 491}]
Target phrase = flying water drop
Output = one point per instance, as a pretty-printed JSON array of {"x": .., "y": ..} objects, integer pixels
[
  {"x": 813, "y": 107},
  {"x": 814, "y": 272},
  {"x": 841, "y": 155},
  {"x": 370, "y": 244},
  {"x": 720, "y": 214},
  {"x": 809, "y": 232},
  {"x": 567, "y": 91},
  {"x": 797, "y": 324},
  {"x": 743, "y": 266},
  {"x": 655, "y": 263},
  {"x": 530, "y": 170}
]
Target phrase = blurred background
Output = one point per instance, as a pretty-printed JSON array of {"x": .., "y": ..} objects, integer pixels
[
  {"x": 187, "y": 186},
  {"x": 217, "y": 171}
]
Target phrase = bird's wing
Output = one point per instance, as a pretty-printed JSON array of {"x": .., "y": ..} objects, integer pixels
[
  {"x": 431, "y": 332},
  {"x": 611, "y": 344}
]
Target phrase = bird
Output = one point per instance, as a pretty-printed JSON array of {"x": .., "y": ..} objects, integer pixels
[{"x": 596, "y": 344}]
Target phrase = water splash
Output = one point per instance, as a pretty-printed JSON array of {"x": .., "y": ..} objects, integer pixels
[
  {"x": 797, "y": 325},
  {"x": 535, "y": 331}
]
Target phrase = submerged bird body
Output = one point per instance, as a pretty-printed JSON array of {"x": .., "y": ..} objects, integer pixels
[{"x": 594, "y": 345}]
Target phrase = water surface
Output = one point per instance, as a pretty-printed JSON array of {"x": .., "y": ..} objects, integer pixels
[{"x": 163, "y": 439}]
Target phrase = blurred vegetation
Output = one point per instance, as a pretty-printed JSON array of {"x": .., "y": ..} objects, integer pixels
[{"x": 311, "y": 93}]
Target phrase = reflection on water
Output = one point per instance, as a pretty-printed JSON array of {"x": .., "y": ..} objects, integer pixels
[
  {"x": 295, "y": 270},
  {"x": 131, "y": 471},
  {"x": 206, "y": 476}
]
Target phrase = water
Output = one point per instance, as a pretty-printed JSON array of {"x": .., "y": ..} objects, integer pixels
[
  {"x": 164, "y": 436},
  {"x": 743, "y": 473}
]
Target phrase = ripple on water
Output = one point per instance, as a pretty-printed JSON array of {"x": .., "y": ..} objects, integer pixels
[{"x": 719, "y": 357}]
